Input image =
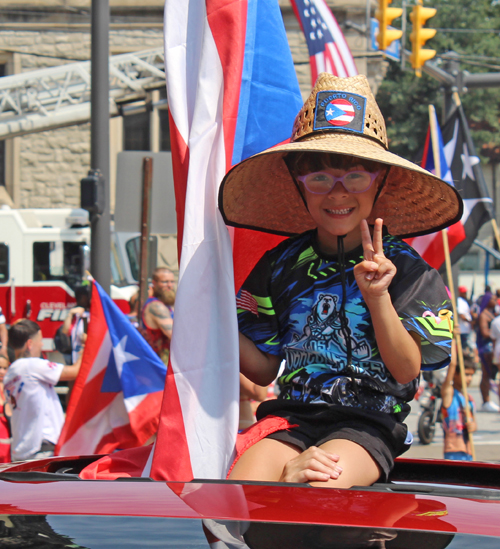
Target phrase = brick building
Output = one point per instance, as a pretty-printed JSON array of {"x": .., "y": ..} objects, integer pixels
[{"x": 44, "y": 169}]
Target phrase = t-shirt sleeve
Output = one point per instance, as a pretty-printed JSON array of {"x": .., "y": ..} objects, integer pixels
[
  {"x": 2, "y": 317},
  {"x": 422, "y": 303},
  {"x": 46, "y": 371},
  {"x": 257, "y": 318}
]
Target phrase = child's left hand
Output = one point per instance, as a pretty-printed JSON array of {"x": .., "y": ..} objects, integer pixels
[{"x": 375, "y": 272}]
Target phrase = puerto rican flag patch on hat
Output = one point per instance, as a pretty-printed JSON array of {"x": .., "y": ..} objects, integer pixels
[{"x": 338, "y": 110}]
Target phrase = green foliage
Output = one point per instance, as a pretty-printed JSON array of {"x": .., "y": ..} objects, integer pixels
[{"x": 404, "y": 98}]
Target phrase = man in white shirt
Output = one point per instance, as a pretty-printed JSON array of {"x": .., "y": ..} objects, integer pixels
[{"x": 37, "y": 414}]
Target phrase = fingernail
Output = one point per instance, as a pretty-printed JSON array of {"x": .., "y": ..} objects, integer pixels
[{"x": 369, "y": 276}]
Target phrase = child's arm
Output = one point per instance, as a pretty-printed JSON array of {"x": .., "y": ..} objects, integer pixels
[
  {"x": 259, "y": 367},
  {"x": 447, "y": 387},
  {"x": 399, "y": 349},
  {"x": 250, "y": 390}
]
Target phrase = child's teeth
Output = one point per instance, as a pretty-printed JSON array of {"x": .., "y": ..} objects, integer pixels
[{"x": 340, "y": 212}]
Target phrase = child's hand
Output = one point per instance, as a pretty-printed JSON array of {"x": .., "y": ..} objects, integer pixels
[
  {"x": 312, "y": 465},
  {"x": 375, "y": 272}
]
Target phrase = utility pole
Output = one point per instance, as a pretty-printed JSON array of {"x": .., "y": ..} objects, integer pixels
[{"x": 100, "y": 248}]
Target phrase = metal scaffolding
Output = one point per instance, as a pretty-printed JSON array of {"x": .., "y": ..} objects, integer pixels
[{"x": 60, "y": 96}]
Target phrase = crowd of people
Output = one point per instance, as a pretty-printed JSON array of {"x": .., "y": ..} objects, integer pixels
[
  {"x": 31, "y": 412},
  {"x": 479, "y": 324}
]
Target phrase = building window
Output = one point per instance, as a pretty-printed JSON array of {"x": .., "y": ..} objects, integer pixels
[
  {"x": 138, "y": 124},
  {"x": 136, "y": 132}
]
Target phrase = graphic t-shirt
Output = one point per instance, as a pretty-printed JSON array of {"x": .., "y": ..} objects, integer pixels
[
  {"x": 290, "y": 306},
  {"x": 37, "y": 414}
]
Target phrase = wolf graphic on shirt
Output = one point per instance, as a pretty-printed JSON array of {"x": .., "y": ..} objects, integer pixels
[{"x": 324, "y": 329}]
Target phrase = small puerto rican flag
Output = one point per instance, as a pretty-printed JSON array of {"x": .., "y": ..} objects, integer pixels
[{"x": 116, "y": 400}]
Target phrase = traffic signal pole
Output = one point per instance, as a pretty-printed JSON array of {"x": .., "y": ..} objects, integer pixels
[{"x": 100, "y": 247}]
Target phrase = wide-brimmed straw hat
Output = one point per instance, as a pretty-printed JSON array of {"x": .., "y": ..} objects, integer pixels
[{"x": 340, "y": 116}]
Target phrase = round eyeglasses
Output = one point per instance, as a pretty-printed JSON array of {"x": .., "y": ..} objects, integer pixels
[{"x": 323, "y": 182}]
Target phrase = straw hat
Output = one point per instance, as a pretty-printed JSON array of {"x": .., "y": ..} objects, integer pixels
[{"x": 259, "y": 192}]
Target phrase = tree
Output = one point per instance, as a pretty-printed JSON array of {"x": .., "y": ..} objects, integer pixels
[{"x": 404, "y": 98}]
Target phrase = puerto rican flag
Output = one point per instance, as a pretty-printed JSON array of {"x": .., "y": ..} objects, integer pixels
[
  {"x": 115, "y": 401},
  {"x": 328, "y": 49},
  {"x": 460, "y": 167},
  {"x": 232, "y": 92}
]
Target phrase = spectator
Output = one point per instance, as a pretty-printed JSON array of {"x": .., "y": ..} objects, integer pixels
[
  {"x": 158, "y": 313},
  {"x": 495, "y": 337},
  {"x": 4, "y": 335},
  {"x": 37, "y": 414},
  {"x": 133, "y": 315},
  {"x": 4, "y": 414},
  {"x": 455, "y": 425},
  {"x": 485, "y": 349},
  {"x": 464, "y": 317},
  {"x": 75, "y": 323}
]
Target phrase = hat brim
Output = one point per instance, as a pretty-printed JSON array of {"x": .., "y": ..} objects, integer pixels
[{"x": 259, "y": 193}]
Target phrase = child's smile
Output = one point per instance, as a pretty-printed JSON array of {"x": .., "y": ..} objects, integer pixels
[{"x": 340, "y": 212}]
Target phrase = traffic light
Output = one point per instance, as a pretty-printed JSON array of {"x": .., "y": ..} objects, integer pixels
[
  {"x": 385, "y": 15},
  {"x": 419, "y": 37},
  {"x": 92, "y": 192}
]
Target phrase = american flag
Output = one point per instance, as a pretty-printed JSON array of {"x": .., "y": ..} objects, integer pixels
[
  {"x": 328, "y": 49},
  {"x": 247, "y": 302}
]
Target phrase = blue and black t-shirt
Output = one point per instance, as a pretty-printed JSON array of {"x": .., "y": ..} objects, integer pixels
[{"x": 289, "y": 306}]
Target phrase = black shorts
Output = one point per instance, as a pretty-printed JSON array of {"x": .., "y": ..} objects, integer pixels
[{"x": 380, "y": 434}]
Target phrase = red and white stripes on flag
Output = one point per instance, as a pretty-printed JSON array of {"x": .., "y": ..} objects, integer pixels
[
  {"x": 328, "y": 49},
  {"x": 247, "y": 302},
  {"x": 224, "y": 105},
  {"x": 201, "y": 392}
]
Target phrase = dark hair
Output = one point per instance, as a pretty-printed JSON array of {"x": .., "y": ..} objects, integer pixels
[
  {"x": 308, "y": 162},
  {"x": 21, "y": 331},
  {"x": 469, "y": 364},
  {"x": 83, "y": 292}
]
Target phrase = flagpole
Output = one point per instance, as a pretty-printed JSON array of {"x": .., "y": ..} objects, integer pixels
[
  {"x": 446, "y": 247},
  {"x": 458, "y": 103}
]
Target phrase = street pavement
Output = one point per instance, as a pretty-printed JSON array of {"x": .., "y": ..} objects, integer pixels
[{"x": 486, "y": 438}]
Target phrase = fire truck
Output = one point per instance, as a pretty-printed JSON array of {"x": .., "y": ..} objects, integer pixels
[{"x": 44, "y": 255}]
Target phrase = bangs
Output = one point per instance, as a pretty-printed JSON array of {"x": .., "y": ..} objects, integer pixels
[{"x": 308, "y": 162}]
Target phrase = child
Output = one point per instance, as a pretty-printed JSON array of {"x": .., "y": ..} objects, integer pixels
[
  {"x": 354, "y": 311},
  {"x": 37, "y": 414},
  {"x": 455, "y": 425}
]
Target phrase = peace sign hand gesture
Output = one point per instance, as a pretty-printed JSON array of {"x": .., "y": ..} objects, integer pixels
[{"x": 375, "y": 272}]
